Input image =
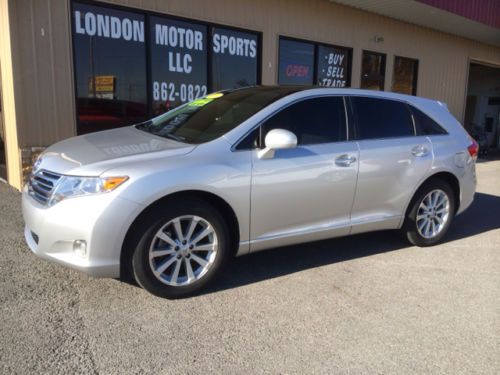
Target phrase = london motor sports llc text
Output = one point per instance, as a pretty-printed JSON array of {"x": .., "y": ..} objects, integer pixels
[{"x": 181, "y": 74}]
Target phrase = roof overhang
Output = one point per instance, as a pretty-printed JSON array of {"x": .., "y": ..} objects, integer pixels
[{"x": 428, "y": 16}]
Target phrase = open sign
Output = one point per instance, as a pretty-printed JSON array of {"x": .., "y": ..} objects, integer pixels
[{"x": 297, "y": 70}]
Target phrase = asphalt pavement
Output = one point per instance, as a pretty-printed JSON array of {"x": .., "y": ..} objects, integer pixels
[{"x": 364, "y": 304}]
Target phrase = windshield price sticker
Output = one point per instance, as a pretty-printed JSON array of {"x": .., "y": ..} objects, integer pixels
[
  {"x": 178, "y": 62},
  {"x": 207, "y": 99}
]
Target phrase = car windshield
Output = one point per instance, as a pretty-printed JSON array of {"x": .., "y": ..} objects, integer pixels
[{"x": 212, "y": 116}]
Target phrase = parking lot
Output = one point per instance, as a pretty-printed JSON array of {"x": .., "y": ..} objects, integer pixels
[{"x": 364, "y": 304}]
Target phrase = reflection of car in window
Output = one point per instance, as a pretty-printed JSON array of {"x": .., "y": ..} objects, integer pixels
[
  {"x": 95, "y": 114},
  {"x": 169, "y": 201}
]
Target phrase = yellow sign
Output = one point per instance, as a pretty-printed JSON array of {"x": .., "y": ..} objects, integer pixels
[{"x": 103, "y": 84}]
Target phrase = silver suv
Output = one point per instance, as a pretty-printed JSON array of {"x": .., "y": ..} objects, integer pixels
[{"x": 171, "y": 200}]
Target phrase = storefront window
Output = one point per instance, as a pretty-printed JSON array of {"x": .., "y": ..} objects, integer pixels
[
  {"x": 178, "y": 63},
  {"x": 404, "y": 78},
  {"x": 308, "y": 63},
  {"x": 373, "y": 71},
  {"x": 234, "y": 59},
  {"x": 333, "y": 66},
  {"x": 296, "y": 62},
  {"x": 131, "y": 66},
  {"x": 110, "y": 67}
]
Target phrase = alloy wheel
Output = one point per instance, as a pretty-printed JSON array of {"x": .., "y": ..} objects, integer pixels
[
  {"x": 183, "y": 250},
  {"x": 433, "y": 214}
]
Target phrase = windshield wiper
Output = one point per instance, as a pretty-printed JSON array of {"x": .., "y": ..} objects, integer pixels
[
  {"x": 171, "y": 136},
  {"x": 146, "y": 125}
]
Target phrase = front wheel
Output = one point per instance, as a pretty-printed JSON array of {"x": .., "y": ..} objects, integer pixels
[
  {"x": 182, "y": 248},
  {"x": 430, "y": 214}
]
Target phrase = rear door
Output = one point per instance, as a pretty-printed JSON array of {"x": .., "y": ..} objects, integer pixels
[
  {"x": 393, "y": 160},
  {"x": 305, "y": 193}
]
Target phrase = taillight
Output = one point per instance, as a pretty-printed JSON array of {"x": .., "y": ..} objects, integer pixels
[{"x": 473, "y": 149}]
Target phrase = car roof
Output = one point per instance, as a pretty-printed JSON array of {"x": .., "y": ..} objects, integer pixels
[
  {"x": 286, "y": 94},
  {"x": 286, "y": 90}
]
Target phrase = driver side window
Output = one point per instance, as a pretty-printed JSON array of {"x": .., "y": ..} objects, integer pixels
[{"x": 313, "y": 121}]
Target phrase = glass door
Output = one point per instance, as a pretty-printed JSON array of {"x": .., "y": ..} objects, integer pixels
[{"x": 373, "y": 71}]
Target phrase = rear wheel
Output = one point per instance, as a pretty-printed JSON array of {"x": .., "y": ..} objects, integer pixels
[
  {"x": 430, "y": 214},
  {"x": 182, "y": 248}
]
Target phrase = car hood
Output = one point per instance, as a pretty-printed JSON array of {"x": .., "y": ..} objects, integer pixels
[{"x": 96, "y": 152}]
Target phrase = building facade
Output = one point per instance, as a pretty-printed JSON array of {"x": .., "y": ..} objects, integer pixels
[{"x": 69, "y": 67}]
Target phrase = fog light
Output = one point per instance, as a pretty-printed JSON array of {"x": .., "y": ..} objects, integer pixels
[{"x": 80, "y": 247}]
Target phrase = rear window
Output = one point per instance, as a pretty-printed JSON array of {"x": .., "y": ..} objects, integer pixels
[
  {"x": 424, "y": 124},
  {"x": 381, "y": 118}
]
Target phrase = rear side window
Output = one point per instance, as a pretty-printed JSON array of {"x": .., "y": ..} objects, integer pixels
[
  {"x": 424, "y": 124},
  {"x": 313, "y": 121},
  {"x": 381, "y": 118}
]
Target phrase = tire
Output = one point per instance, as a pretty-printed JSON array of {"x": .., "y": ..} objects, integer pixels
[
  {"x": 188, "y": 269},
  {"x": 417, "y": 232}
]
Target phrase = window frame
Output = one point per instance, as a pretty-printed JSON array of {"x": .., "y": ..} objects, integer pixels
[
  {"x": 415, "y": 73},
  {"x": 147, "y": 14},
  {"x": 356, "y": 119},
  {"x": 280, "y": 38},
  {"x": 234, "y": 147},
  {"x": 384, "y": 63},
  {"x": 316, "y": 46}
]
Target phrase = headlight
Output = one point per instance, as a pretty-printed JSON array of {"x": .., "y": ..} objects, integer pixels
[{"x": 69, "y": 186}]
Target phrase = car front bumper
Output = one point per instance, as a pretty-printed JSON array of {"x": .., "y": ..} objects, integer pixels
[{"x": 100, "y": 221}]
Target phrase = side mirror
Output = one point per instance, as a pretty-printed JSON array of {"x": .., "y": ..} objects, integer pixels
[{"x": 277, "y": 139}]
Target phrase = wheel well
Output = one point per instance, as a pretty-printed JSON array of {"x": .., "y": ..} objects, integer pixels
[
  {"x": 217, "y": 202},
  {"x": 451, "y": 179}
]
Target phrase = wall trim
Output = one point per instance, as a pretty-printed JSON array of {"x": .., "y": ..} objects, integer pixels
[{"x": 9, "y": 102}]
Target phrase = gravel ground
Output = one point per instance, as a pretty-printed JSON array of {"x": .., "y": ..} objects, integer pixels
[{"x": 364, "y": 304}]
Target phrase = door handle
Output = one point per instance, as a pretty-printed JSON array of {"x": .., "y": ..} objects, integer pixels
[
  {"x": 345, "y": 160},
  {"x": 419, "y": 150}
]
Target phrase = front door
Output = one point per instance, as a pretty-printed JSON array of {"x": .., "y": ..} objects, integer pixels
[{"x": 306, "y": 193}]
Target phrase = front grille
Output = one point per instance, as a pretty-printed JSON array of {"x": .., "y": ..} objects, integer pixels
[{"x": 41, "y": 184}]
